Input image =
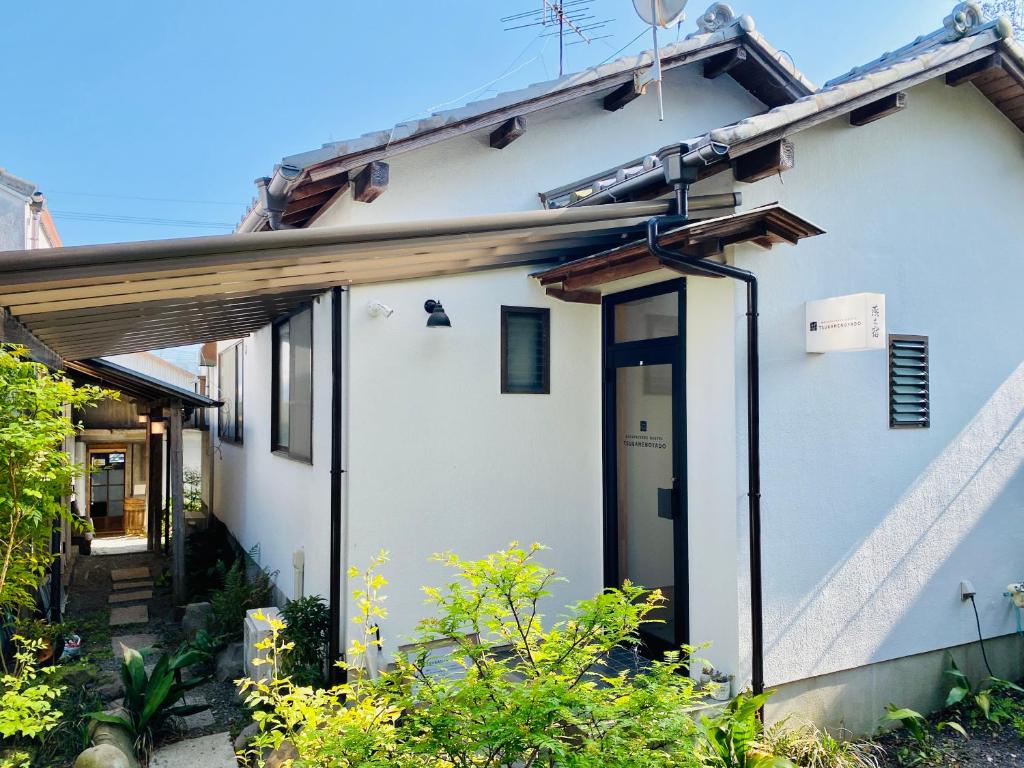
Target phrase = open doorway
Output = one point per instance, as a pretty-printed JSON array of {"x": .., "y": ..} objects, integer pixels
[{"x": 106, "y": 489}]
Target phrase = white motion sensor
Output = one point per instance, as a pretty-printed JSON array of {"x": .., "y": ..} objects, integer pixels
[{"x": 377, "y": 309}]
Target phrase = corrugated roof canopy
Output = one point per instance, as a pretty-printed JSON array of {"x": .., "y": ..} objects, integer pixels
[{"x": 89, "y": 301}]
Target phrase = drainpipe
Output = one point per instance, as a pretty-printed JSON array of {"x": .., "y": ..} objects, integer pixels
[
  {"x": 273, "y": 194},
  {"x": 681, "y": 170},
  {"x": 36, "y": 206},
  {"x": 334, "y": 650}
]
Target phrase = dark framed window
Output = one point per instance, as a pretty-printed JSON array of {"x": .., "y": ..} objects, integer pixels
[
  {"x": 291, "y": 400},
  {"x": 525, "y": 350},
  {"x": 909, "y": 397},
  {"x": 229, "y": 376}
]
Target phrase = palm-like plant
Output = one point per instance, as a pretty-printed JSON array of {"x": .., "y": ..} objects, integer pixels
[{"x": 150, "y": 700}]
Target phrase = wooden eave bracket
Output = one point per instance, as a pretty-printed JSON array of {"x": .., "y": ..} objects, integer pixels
[
  {"x": 876, "y": 110},
  {"x": 371, "y": 182},
  {"x": 625, "y": 93},
  {"x": 508, "y": 132},
  {"x": 765, "y": 161},
  {"x": 719, "y": 65},
  {"x": 574, "y": 297},
  {"x": 975, "y": 69}
]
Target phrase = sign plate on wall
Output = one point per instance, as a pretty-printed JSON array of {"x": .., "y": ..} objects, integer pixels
[{"x": 846, "y": 323}]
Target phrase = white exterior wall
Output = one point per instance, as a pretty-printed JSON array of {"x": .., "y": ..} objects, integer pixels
[
  {"x": 440, "y": 460},
  {"x": 278, "y": 503},
  {"x": 465, "y": 176},
  {"x": 867, "y": 530}
]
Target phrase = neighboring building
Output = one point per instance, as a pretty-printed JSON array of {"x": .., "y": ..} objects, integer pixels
[
  {"x": 435, "y": 358},
  {"x": 25, "y": 221}
]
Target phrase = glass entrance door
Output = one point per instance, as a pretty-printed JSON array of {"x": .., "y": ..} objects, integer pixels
[
  {"x": 106, "y": 490},
  {"x": 645, "y": 520}
]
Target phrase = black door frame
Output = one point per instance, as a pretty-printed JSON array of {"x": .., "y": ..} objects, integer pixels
[{"x": 667, "y": 350}]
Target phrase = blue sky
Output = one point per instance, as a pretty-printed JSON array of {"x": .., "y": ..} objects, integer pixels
[{"x": 168, "y": 110}]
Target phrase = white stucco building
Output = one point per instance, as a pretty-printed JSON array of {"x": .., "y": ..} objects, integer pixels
[{"x": 463, "y": 332}]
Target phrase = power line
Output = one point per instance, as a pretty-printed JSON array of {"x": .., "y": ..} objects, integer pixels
[
  {"x": 148, "y": 220},
  {"x": 235, "y": 204}
]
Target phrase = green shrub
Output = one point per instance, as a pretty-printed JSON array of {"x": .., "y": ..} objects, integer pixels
[
  {"x": 150, "y": 700},
  {"x": 810, "y": 747},
  {"x": 307, "y": 625},
  {"x": 524, "y": 692},
  {"x": 26, "y": 700},
  {"x": 732, "y": 737},
  {"x": 34, "y": 470},
  {"x": 239, "y": 592}
]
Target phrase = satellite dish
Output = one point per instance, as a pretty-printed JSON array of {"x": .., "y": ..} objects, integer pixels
[{"x": 664, "y": 13}]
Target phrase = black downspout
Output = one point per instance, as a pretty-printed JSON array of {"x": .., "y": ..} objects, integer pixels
[
  {"x": 698, "y": 264},
  {"x": 334, "y": 602}
]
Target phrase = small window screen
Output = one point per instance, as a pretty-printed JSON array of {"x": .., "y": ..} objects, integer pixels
[
  {"x": 909, "y": 402},
  {"x": 525, "y": 350},
  {"x": 229, "y": 376},
  {"x": 292, "y": 393}
]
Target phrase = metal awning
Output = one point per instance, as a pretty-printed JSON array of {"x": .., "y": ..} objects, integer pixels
[
  {"x": 765, "y": 226},
  {"x": 135, "y": 383},
  {"x": 90, "y": 301}
]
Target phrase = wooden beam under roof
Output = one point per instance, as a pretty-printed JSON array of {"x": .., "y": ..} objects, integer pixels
[
  {"x": 624, "y": 94},
  {"x": 876, "y": 110},
  {"x": 371, "y": 182},
  {"x": 986, "y": 68},
  {"x": 507, "y": 132},
  {"x": 574, "y": 297},
  {"x": 766, "y": 161},
  {"x": 723, "y": 63}
]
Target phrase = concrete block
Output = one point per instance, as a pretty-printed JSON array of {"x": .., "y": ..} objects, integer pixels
[
  {"x": 130, "y": 614},
  {"x": 213, "y": 751},
  {"x": 131, "y": 585},
  {"x": 130, "y": 574},
  {"x": 255, "y": 631},
  {"x": 195, "y": 618},
  {"x": 130, "y": 597},
  {"x": 140, "y": 643},
  {"x": 229, "y": 664}
]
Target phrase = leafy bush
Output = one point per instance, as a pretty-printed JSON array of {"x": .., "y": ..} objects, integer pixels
[
  {"x": 238, "y": 593},
  {"x": 810, "y": 747},
  {"x": 520, "y": 692},
  {"x": 26, "y": 701},
  {"x": 149, "y": 701},
  {"x": 731, "y": 738},
  {"x": 307, "y": 624},
  {"x": 922, "y": 749},
  {"x": 991, "y": 699},
  {"x": 34, "y": 471}
]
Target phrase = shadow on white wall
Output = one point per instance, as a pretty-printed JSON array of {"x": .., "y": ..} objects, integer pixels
[{"x": 860, "y": 602}]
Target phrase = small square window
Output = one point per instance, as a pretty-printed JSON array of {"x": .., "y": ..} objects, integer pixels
[{"x": 525, "y": 350}]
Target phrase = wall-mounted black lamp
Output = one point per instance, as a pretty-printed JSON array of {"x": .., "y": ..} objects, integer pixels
[{"x": 437, "y": 317}]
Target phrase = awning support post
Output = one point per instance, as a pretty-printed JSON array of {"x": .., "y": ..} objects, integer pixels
[{"x": 177, "y": 504}]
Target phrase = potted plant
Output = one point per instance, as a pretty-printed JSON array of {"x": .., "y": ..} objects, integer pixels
[{"x": 718, "y": 684}]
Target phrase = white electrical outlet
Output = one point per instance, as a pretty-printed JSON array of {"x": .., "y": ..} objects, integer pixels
[{"x": 966, "y": 590}]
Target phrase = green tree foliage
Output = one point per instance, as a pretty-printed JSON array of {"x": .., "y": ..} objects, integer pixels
[
  {"x": 307, "y": 624},
  {"x": 34, "y": 472},
  {"x": 518, "y": 691}
]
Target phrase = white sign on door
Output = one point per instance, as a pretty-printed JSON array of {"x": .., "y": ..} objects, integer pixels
[{"x": 846, "y": 323}]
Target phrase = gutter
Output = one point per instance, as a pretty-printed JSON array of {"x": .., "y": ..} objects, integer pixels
[{"x": 681, "y": 167}]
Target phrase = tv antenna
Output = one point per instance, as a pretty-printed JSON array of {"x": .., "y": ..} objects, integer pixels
[
  {"x": 569, "y": 18},
  {"x": 664, "y": 14}
]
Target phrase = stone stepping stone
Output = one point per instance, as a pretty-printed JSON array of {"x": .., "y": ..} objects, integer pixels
[
  {"x": 138, "y": 642},
  {"x": 130, "y": 597},
  {"x": 130, "y": 574},
  {"x": 122, "y": 585},
  {"x": 129, "y": 614},
  {"x": 199, "y": 720},
  {"x": 214, "y": 751}
]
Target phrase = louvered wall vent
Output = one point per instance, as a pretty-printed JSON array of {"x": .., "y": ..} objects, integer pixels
[{"x": 909, "y": 404}]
